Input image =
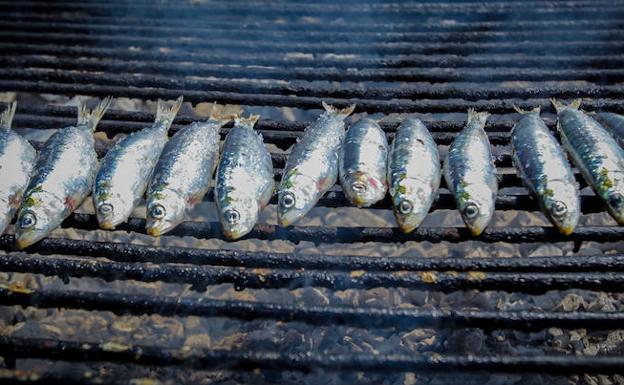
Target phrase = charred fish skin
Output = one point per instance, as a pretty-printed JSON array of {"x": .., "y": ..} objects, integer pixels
[
  {"x": 17, "y": 160},
  {"x": 413, "y": 173},
  {"x": 471, "y": 175},
  {"x": 62, "y": 179},
  {"x": 244, "y": 182},
  {"x": 126, "y": 168},
  {"x": 363, "y": 162},
  {"x": 312, "y": 166},
  {"x": 183, "y": 173},
  {"x": 614, "y": 123},
  {"x": 545, "y": 171},
  {"x": 595, "y": 153}
]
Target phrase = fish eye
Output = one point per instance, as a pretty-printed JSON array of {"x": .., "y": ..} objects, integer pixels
[
  {"x": 231, "y": 216},
  {"x": 471, "y": 210},
  {"x": 558, "y": 209},
  {"x": 157, "y": 211},
  {"x": 359, "y": 187},
  {"x": 405, "y": 207},
  {"x": 616, "y": 199},
  {"x": 288, "y": 200},
  {"x": 105, "y": 208},
  {"x": 28, "y": 220}
]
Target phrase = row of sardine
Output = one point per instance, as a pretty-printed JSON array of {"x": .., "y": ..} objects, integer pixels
[{"x": 176, "y": 172}]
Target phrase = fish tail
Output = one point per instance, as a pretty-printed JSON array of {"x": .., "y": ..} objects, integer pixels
[
  {"x": 166, "y": 113},
  {"x": 225, "y": 113},
  {"x": 6, "y": 118},
  {"x": 338, "y": 111},
  {"x": 91, "y": 118},
  {"x": 249, "y": 121},
  {"x": 535, "y": 110},
  {"x": 559, "y": 106},
  {"x": 480, "y": 116}
]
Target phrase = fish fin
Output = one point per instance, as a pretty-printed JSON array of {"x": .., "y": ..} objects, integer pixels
[
  {"x": 6, "y": 118},
  {"x": 337, "y": 111},
  {"x": 166, "y": 113},
  {"x": 535, "y": 110},
  {"x": 575, "y": 104},
  {"x": 91, "y": 118},
  {"x": 249, "y": 121},
  {"x": 474, "y": 115}
]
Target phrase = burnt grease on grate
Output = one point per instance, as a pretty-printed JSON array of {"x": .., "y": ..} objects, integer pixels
[{"x": 343, "y": 297}]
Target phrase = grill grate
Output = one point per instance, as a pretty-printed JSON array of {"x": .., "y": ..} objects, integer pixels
[{"x": 433, "y": 59}]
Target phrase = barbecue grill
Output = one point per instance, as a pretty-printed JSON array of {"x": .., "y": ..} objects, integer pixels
[{"x": 294, "y": 304}]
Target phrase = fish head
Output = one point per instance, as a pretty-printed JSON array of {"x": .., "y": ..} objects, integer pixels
[
  {"x": 561, "y": 204},
  {"x": 363, "y": 189},
  {"x": 476, "y": 206},
  {"x": 297, "y": 195},
  {"x": 165, "y": 210},
  {"x": 41, "y": 212},
  {"x": 112, "y": 207},
  {"x": 238, "y": 214},
  {"x": 411, "y": 200}
]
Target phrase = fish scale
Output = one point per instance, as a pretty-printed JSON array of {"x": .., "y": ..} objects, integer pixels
[
  {"x": 244, "y": 182},
  {"x": 545, "y": 171},
  {"x": 596, "y": 154},
  {"x": 312, "y": 166},
  {"x": 17, "y": 160}
]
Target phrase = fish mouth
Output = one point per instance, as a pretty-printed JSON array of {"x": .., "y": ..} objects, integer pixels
[
  {"x": 107, "y": 225},
  {"x": 24, "y": 241},
  {"x": 475, "y": 230},
  {"x": 154, "y": 231},
  {"x": 565, "y": 230},
  {"x": 360, "y": 201}
]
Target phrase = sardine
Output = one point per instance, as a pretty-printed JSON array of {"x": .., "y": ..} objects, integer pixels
[
  {"x": 62, "y": 179},
  {"x": 312, "y": 166},
  {"x": 17, "y": 160},
  {"x": 126, "y": 168},
  {"x": 595, "y": 153},
  {"x": 362, "y": 163},
  {"x": 471, "y": 175},
  {"x": 244, "y": 183},
  {"x": 413, "y": 173},
  {"x": 545, "y": 171},
  {"x": 614, "y": 123},
  {"x": 183, "y": 173}
]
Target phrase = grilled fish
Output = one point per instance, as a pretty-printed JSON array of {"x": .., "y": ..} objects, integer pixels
[
  {"x": 596, "y": 154},
  {"x": 126, "y": 168},
  {"x": 244, "y": 184},
  {"x": 62, "y": 179},
  {"x": 362, "y": 163},
  {"x": 312, "y": 166},
  {"x": 545, "y": 171},
  {"x": 183, "y": 173},
  {"x": 471, "y": 175},
  {"x": 413, "y": 173},
  {"x": 614, "y": 123},
  {"x": 17, "y": 160}
]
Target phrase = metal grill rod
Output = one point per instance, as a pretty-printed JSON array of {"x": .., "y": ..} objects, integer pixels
[{"x": 200, "y": 359}]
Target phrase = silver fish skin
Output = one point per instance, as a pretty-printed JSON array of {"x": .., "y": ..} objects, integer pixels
[
  {"x": 312, "y": 166},
  {"x": 413, "y": 173},
  {"x": 17, "y": 160},
  {"x": 614, "y": 123},
  {"x": 62, "y": 179},
  {"x": 183, "y": 173},
  {"x": 244, "y": 183},
  {"x": 126, "y": 168},
  {"x": 595, "y": 153},
  {"x": 545, "y": 171},
  {"x": 363, "y": 162},
  {"x": 471, "y": 175}
]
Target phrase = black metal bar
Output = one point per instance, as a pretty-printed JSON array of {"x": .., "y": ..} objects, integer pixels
[
  {"x": 304, "y": 102},
  {"x": 200, "y": 359},
  {"x": 368, "y": 317},
  {"x": 201, "y": 276},
  {"x": 133, "y": 253}
]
